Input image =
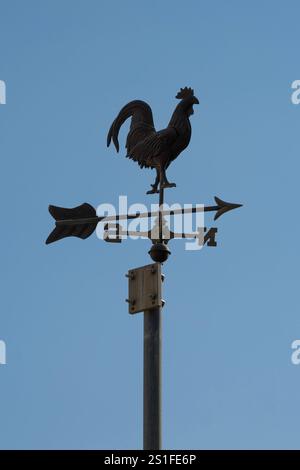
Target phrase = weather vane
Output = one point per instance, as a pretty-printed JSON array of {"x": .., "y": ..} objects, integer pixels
[{"x": 156, "y": 150}]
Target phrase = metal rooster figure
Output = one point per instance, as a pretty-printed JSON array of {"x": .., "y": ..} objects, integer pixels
[{"x": 152, "y": 149}]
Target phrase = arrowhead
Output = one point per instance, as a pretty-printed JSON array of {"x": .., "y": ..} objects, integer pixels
[{"x": 224, "y": 206}]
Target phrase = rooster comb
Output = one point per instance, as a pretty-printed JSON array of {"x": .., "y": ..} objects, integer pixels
[{"x": 185, "y": 93}]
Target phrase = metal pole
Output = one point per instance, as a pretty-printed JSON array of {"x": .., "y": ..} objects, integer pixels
[
  {"x": 152, "y": 363},
  {"x": 152, "y": 379}
]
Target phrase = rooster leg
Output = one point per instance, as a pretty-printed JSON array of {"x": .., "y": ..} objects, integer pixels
[
  {"x": 165, "y": 182},
  {"x": 155, "y": 185}
]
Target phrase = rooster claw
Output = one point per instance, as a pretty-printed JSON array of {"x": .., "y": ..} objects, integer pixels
[
  {"x": 168, "y": 185},
  {"x": 154, "y": 190}
]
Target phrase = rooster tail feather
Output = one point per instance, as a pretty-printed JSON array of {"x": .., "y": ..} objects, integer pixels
[{"x": 141, "y": 114}]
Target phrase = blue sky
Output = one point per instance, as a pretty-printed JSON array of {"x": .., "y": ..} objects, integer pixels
[{"x": 73, "y": 377}]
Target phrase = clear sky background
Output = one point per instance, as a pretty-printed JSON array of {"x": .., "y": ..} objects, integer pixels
[{"x": 73, "y": 377}]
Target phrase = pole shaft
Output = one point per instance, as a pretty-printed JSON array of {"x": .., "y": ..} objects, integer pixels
[
  {"x": 152, "y": 379},
  {"x": 152, "y": 363}
]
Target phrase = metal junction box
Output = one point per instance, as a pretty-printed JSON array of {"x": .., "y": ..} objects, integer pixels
[{"x": 144, "y": 286}]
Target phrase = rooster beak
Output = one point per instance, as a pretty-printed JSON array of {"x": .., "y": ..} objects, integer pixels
[{"x": 196, "y": 101}]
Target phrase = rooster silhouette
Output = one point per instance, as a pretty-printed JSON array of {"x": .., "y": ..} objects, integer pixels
[{"x": 152, "y": 149}]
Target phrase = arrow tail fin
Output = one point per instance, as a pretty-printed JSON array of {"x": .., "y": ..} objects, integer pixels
[{"x": 80, "y": 230}]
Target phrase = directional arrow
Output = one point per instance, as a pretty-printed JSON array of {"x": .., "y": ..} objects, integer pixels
[{"x": 81, "y": 221}]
